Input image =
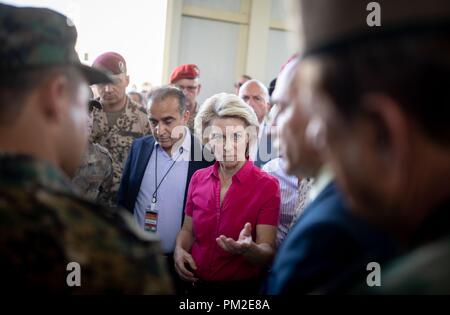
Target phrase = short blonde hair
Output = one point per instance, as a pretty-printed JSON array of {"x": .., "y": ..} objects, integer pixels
[{"x": 225, "y": 105}]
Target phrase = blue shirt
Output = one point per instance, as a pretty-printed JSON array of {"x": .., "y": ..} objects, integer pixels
[{"x": 170, "y": 195}]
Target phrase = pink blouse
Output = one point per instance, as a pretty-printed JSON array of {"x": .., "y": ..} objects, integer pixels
[{"x": 254, "y": 197}]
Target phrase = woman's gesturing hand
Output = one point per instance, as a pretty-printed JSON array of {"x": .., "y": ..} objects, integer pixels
[{"x": 239, "y": 247}]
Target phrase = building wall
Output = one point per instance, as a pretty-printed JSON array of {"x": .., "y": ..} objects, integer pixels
[
  {"x": 227, "y": 39},
  {"x": 133, "y": 28}
]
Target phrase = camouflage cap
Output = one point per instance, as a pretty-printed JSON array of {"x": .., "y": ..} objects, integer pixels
[{"x": 38, "y": 38}]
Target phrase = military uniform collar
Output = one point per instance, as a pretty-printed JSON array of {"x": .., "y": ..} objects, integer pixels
[{"x": 28, "y": 172}]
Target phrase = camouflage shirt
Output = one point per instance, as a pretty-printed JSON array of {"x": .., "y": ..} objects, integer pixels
[
  {"x": 93, "y": 178},
  {"x": 133, "y": 123},
  {"x": 44, "y": 227}
]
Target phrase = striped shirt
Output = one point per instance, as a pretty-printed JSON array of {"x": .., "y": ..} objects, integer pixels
[{"x": 289, "y": 196}]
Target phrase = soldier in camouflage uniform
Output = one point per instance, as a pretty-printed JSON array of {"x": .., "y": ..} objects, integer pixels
[
  {"x": 121, "y": 120},
  {"x": 94, "y": 178},
  {"x": 44, "y": 226}
]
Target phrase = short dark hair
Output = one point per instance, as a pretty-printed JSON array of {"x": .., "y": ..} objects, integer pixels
[
  {"x": 413, "y": 71},
  {"x": 16, "y": 87},
  {"x": 164, "y": 92},
  {"x": 272, "y": 86}
]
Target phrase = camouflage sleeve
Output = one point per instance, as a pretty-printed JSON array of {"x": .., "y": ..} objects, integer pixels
[
  {"x": 95, "y": 133},
  {"x": 144, "y": 122},
  {"x": 115, "y": 256},
  {"x": 108, "y": 252},
  {"x": 104, "y": 197}
]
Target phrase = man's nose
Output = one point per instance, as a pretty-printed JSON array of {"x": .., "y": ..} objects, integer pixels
[
  {"x": 156, "y": 129},
  {"x": 108, "y": 88},
  {"x": 251, "y": 102},
  {"x": 161, "y": 130}
]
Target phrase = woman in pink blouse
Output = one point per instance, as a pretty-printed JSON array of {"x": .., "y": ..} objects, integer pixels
[{"x": 232, "y": 207}]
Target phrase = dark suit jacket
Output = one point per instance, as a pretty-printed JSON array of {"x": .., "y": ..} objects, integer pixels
[
  {"x": 327, "y": 250},
  {"x": 138, "y": 157},
  {"x": 265, "y": 150}
]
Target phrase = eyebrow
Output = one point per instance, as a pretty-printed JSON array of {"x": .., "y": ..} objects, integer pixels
[
  {"x": 164, "y": 118},
  {"x": 232, "y": 133},
  {"x": 253, "y": 95},
  {"x": 186, "y": 86}
]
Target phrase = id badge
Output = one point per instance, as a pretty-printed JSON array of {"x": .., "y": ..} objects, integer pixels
[{"x": 151, "y": 218}]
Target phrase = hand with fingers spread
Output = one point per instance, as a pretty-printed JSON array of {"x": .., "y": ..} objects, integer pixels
[
  {"x": 239, "y": 247},
  {"x": 185, "y": 264}
]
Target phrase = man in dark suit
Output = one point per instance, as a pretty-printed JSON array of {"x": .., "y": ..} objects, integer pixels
[
  {"x": 159, "y": 168},
  {"x": 329, "y": 246},
  {"x": 328, "y": 249}
]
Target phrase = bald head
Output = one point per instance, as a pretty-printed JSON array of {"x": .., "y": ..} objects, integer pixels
[{"x": 256, "y": 95}]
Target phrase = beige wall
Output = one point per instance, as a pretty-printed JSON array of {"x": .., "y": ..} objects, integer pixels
[{"x": 227, "y": 38}]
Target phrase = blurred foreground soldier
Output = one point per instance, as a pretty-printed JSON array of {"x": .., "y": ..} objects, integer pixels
[
  {"x": 51, "y": 241},
  {"x": 94, "y": 177},
  {"x": 381, "y": 96},
  {"x": 121, "y": 120}
]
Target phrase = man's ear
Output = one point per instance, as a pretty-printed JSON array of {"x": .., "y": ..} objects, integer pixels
[
  {"x": 268, "y": 107},
  {"x": 127, "y": 80},
  {"x": 391, "y": 130},
  {"x": 199, "y": 89},
  {"x": 186, "y": 116},
  {"x": 54, "y": 96}
]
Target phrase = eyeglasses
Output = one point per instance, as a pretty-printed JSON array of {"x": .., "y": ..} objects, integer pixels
[{"x": 190, "y": 88}]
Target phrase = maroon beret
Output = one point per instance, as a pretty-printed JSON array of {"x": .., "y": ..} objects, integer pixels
[
  {"x": 188, "y": 71},
  {"x": 112, "y": 62}
]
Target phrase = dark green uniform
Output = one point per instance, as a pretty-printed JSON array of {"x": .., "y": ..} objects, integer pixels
[
  {"x": 44, "y": 226},
  {"x": 51, "y": 239}
]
